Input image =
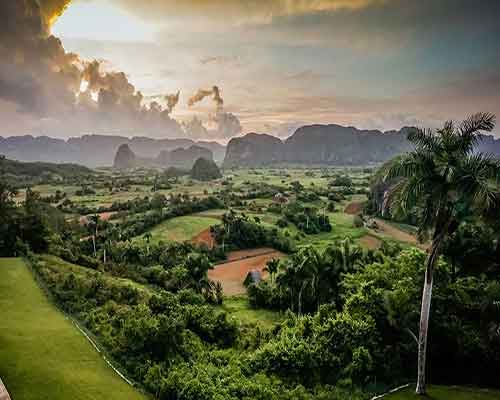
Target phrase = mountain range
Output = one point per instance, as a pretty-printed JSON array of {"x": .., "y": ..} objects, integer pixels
[
  {"x": 327, "y": 145},
  {"x": 309, "y": 145},
  {"x": 94, "y": 150},
  {"x": 180, "y": 158}
]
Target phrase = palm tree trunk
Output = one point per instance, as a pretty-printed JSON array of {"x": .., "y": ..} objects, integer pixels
[
  {"x": 425, "y": 313},
  {"x": 300, "y": 297},
  {"x": 300, "y": 301}
]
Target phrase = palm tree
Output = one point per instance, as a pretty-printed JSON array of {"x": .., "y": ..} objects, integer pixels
[
  {"x": 94, "y": 223},
  {"x": 447, "y": 180},
  {"x": 272, "y": 267},
  {"x": 147, "y": 237},
  {"x": 339, "y": 258},
  {"x": 198, "y": 266},
  {"x": 301, "y": 273}
]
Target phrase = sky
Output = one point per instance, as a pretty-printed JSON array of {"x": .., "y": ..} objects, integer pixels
[{"x": 277, "y": 65}]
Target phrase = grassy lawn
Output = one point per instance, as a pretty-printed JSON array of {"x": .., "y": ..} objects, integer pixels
[
  {"x": 239, "y": 308},
  {"x": 342, "y": 227},
  {"x": 43, "y": 356},
  {"x": 447, "y": 393},
  {"x": 181, "y": 228}
]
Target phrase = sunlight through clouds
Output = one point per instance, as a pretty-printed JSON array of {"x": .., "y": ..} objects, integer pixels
[{"x": 99, "y": 20}]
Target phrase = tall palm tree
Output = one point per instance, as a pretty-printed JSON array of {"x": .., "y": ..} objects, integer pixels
[
  {"x": 339, "y": 258},
  {"x": 147, "y": 237},
  {"x": 447, "y": 180},
  {"x": 94, "y": 224},
  {"x": 272, "y": 267}
]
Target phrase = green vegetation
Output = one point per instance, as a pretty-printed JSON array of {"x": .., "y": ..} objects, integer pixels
[
  {"x": 448, "y": 182},
  {"x": 240, "y": 308},
  {"x": 205, "y": 170},
  {"x": 448, "y": 393},
  {"x": 43, "y": 354},
  {"x": 181, "y": 228},
  {"x": 21, "y": 174},
  {"x": 342, "y": 227},
  {"x": 335, "y": 317}
]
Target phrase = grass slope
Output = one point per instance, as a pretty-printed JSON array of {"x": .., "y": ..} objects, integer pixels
[
  {"x": 447, "y": 393},
  {"x": 239, "y": 308},
  {"x": 181, "y": 229},
  {"x": 43, "y": 356}
]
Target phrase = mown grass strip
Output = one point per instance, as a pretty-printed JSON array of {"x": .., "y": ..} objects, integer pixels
[{"x": 43, "y": 355}]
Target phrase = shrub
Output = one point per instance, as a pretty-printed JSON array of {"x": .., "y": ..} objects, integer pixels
[{"x": 358, "y": 221}]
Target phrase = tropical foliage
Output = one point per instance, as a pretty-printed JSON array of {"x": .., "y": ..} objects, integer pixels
[{"x": 448, "y": 181}]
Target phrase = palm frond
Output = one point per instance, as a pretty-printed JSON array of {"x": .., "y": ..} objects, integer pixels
[
  {"x": 478, "y": 122},
  {"x": 478, "y": 178},
  {"x": 423, "y": 138},
  {"x": 469, "y": 130},
  {"x": 408, "y": 165}
]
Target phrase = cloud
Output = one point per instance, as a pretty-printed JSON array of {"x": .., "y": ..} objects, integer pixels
[
  {"x": 48, "y": 90},
  {"x": 227, "y": 125},
  {"x": 238, "y": 12},
  {"x": 194, "y": 129},
  {"x": 220, "y": 60}
]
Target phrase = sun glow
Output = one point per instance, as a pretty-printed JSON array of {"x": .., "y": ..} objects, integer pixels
[{"x": 96, "y": 20}]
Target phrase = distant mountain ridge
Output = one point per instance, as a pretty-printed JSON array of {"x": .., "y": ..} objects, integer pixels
[
  {"x": 180, "y": 158},
  {"x": 312, "y": 144},
  {"x": 94, "y": 150},
  {"x": 327, "y": 145}
]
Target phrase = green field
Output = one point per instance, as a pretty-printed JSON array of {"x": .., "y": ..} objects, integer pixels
[
  {"x": 447, "y": 393},
  {"x": 239, "y": 308},
  {"x": 342, "y": 227},
  {"x": 180, "y": 229},
  {"x": 43, "y": 355}
]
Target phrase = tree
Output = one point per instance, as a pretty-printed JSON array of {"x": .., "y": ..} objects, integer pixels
[
  {"x": 147, "y": 237},
  {"x": 272, "y": 267},
  {"x": 94, "y": 224},
  {"x": 8, "y": 213},
  {"x": 447, "y": 180},
  {"x": 198, "y": 266}
]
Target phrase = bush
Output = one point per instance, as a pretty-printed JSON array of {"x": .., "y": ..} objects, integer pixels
[
  {"x": 358, "y": 221},
  {"x": 282, "y": 223}
]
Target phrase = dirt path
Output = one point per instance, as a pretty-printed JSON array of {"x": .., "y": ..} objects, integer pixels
[
  {"x": 4, "y": 395},
  {"x": 248, "y": 253},
  {"x": 233, "y": 272},
  {"x": 104, "y": 216},
  {"x": 397, "y": 234}
]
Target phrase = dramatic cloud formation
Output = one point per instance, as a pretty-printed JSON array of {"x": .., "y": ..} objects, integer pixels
[
  {"x": 202, "y": 93},
  {"x": 195, "y": 129},
  {"x": 238, "y": 12},
  {"x": 54, "y": 91},
  {"x": 226, "y": 124},
  {"x": 367, "y": 63}
]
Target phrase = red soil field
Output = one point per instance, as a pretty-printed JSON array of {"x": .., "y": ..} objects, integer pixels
[
  {"x": 233, "y": 272},
  {"x": 205, "y": 238},
  {"x": 105, "y": 216}
]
